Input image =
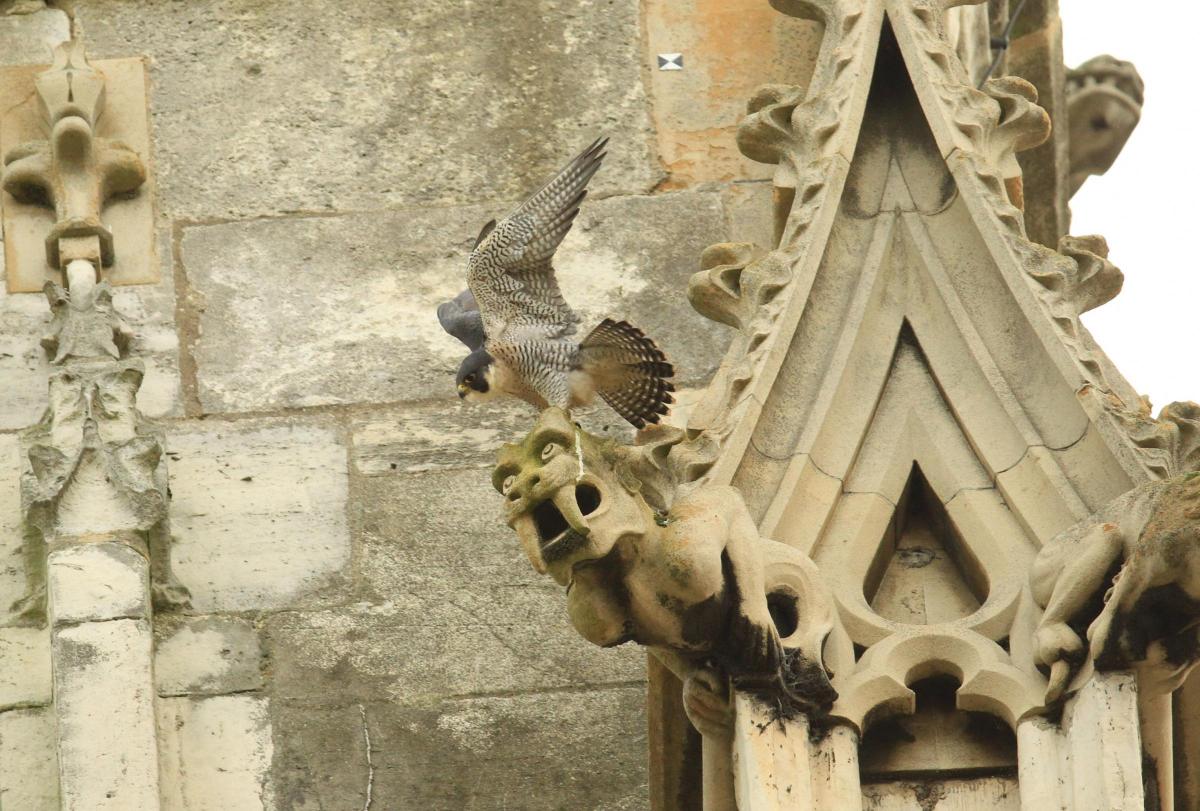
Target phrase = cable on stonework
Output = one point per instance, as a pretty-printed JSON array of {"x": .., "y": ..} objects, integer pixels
[{"x": 1000, "y": 44}]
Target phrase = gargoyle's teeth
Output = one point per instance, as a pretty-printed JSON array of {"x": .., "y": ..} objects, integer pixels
[
  {"x": 527, "y": 534},
  {"x": 564, "y": 500}
]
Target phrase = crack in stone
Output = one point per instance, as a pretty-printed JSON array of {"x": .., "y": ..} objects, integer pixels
[{"x": 362, "y": 711}]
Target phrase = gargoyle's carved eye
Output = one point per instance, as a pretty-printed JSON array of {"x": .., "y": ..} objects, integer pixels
[
  {"x": 550, "y": 449},
  {"x": 507, "y": 484}
]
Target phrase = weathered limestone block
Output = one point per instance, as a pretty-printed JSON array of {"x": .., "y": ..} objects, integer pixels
[
  {"x": 462, "y": 613},
  {"x": 258, "y": 513},
  {"x": 25, "y": 676},
  {"x": 29, "y": 775},
  {"x": 365, "y": 73},
  {"x": 13, "y": 584},
  {"x": 433, "y": 437},
  {"x": 1105, "y": 752},
  {"x": 28, "y": 38},
  {"x": 105, "y": 708},
  {"x": 215, "y": 753},
  {"x": 274, "y": 334},
  {"x": 207, "y": 656},
  {"x": 533, "y": 751},
  {"x": 729, "y": 49},
  {"x": 414, "y": 650},
  {"x": 99, "y": 581}
]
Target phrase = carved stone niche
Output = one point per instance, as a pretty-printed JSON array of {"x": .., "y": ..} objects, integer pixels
[{"x": 75, "y": 138}]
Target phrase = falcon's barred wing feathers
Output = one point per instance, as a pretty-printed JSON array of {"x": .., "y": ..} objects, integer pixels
[{"x": 511, "y": 271}]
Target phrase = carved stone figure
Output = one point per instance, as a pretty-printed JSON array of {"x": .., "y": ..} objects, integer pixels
[
  {"x": 694, "y": 582},
  {"x": 1150, "y": 618},
  {"x": 1104, "y": 105}
]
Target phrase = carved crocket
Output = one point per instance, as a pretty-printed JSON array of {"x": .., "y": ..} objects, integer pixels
[
  {"x": 690, "y": 582},
  {"x": 1150, "y": 619}
]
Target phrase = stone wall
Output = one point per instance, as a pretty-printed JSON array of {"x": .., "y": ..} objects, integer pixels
[{"x": 364, "y": 633}]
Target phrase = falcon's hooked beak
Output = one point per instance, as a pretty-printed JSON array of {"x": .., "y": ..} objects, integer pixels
[{"x": 462, "y": 390}]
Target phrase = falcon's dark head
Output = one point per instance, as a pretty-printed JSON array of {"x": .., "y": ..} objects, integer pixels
[{"x": 475, "y": 376}]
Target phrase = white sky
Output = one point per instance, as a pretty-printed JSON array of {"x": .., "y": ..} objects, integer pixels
[{"x": 1144, "y": 206}]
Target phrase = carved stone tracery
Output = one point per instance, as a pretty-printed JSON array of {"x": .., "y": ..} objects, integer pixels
[{"x": 904, "y": 327}]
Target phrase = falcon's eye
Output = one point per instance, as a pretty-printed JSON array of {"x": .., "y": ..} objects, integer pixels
[
  {"x": 469, "y": 379},
  {"x": 549, "y": 450},
  {"x": 507, "y": 484}
]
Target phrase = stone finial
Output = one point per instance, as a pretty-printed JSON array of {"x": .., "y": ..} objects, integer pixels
[
  {"x": 694, "y": 581},
  {"x": 1104, "y": 105},
  {"x": 74, "y": 171}
]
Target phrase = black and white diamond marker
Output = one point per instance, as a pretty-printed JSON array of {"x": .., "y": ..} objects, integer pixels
[{"x": 670, "y": 61}]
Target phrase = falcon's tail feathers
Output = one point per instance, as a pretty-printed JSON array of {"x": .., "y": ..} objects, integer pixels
[{"x": 629, "y": 372}]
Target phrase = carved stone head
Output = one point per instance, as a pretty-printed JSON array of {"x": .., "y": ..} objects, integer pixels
[{"x": 569, "y": 496}]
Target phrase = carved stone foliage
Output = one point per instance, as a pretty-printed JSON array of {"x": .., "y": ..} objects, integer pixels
[
  {"x": 1150, "y": 618},
  {"x": 1104, "y": 105},
  {"x": 692, "y": 579},
  {"x": 74, "y": 171}
]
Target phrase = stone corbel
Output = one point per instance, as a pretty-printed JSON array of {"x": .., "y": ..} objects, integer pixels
[{"x": 1104, "y": 105}]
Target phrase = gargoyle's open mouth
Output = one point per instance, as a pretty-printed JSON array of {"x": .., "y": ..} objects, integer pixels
[{"x": 556, "y": 536}]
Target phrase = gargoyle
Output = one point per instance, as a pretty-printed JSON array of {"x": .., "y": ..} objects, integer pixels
[
  {"x": 692, "y": 582},
  {"x": 1150, "y": 619}
]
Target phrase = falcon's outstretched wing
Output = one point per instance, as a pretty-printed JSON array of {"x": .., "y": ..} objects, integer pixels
[
  {"x": 461, "y": 318},
  {"x": 510, "y": 271}
]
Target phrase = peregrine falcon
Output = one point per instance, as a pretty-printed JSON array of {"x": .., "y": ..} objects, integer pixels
[{"x": 519, "y": 328}]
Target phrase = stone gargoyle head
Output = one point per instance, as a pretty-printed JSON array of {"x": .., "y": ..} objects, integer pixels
[
  {"x": 571, "y": 497},
  {"x": 693, "y": 581}
]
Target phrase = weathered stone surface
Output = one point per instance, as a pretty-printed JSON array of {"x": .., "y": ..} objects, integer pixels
[
  {"x": 258, "y": 513},
  {"x": 29, "y": 777},
  {"x": 438, "y": 436},
  {"x": 536, "y": 752},
  {"x": 998, "y": 793},
  {"x": 105, "y": 709},
  {"x": 311, "y": 111},
  {"x": 457, "y": 601},
  {"x": 729, "y": 50},
  {"x": 12, "y": 562},
  {"x": 215, "y": 753},
  {"x": 25, "y": 676},
  {"x": 23, "y": 318},
  {"x": 149, "y": 310},
  {"x": 28, "y": 37},
  {"x": 434, "y": 437},
  {"x": 207, "y": 656},
  {"x": 98, "y": 582},
  {"x": 416, "y": 649},
  {"x": 275, "y": 334}
]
